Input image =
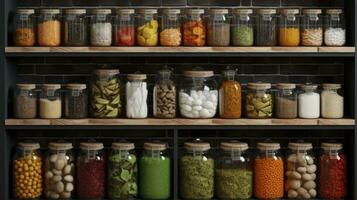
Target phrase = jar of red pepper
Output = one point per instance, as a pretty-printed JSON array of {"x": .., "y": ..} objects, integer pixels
[
  {"x": 124, "y": 27},
  {"x": 91, "y": 171},
  {"x": 333, "y": 172}
]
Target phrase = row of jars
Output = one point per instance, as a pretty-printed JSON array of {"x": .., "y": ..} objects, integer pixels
[
  {"x": 235, "y": 174},
  {"x": 218, "y": 28}
]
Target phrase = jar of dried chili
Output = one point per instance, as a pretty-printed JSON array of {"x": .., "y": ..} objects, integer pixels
[{"x": 194, "y": 28}]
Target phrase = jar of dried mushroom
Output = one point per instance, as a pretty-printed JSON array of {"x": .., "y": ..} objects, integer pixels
[
  {"x": 230, "y": 96},
  {"x": 170, "y": 34},
  {"x": 286, "y": 101},
  {"x": 76, "y": 101},
  {"x": 218, "y": 28},
  {"x": 332, "y": 101},
  {"x": 147, "y": 31},
  {"x": 124, "y": 27},
  {"x": 24, "y": 23},
  {"x": 311, "y": 33},
  {"x": 309, "y": 101},
  {"x": 194, "y": 28},
  {"x": 25, "y": 101},
  {"x": 289, "y": 30},
  {"x": 136, "y": 96},
  {"x": 266, "y": 28},
  {"x": 242, "y": 27},
  {"x": 259, "y": 101},
  {"x": 49, "y": 28},
  {"x": 75, "y": 27},
  {"x": 164, "y": 97},
  {"x": 50, "y": 101},
  {"x": 101, "y": 27},
  {"x": 334, "y": 28}
]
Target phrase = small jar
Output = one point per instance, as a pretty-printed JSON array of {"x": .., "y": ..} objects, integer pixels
[
  {"x": 234, "y": 171},
  {"x": 286, "y": 105},
  {"x": 194, "y": 28},
  {"x": 91, "y": 171},
  {"x": 170, "y": 34},
  {"x": 230, "y": 96},
  {"x": 75, "y": 27},
  {"x": 136, "y": 96},
  {"x": 24, "y": 23},
  {"x": 147, "y": 31},
  {"x": 218, "y": 28},
  {"x": 51, "y": 102},
  {"x": 334, "y": 28},
  {"x": 25, "y": 101},
  {"x": 259, "y": 101},
  {"x": 101, "y": 27},
  {"x": 198, "y": 96},
  {"x": 164, "y": 97},
  {"x": 155, "y": 173},
  {"x": 266, "y": 28},
  {"x": 76, "y": 101},
  {"x": 124, "y": 27},
  {"x": 27, "y": 171},
  {"x": 309, "y": 102},
  {"x": 331, "y": 101},
  {"x": 242, "y": 27},
  {"x": 311, "y": 33},
  {"x": 49, "y": 28},
  {"x": 289, "y": 31}
]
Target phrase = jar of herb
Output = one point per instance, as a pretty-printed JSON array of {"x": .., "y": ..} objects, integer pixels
[
  {"x": 230, "y": 96},
  {"x": 218, "y": 28},
  {"x": 49, "y": 28},
  {"x": 147, "y": 31},
  {"x": 194, "y": 28},
  {"x": 136, "y": 96},
  {"x": 164, "y": 97},
  {"x": 309, "y": 101},
  {"x": 75, "y": 27},
  {"x": 76, "y": 101},
  {"x": 259, "y": 101},
  {"x": 101, "y": 27},
  {"x": 242, "y": 27},
  {"x": 335, "y": 28},
  {"x": 289, "y": 31},
  {"x": 51, "y": 101},
  {"x": 332, "y": 101},
  {"x": 170, "y": 34},
  {"x": 24, "y": 25},
  {"x": 286, "y": 101},
  {"x": 25, "y": 101},
  {"x": 311, "y": 33},
  {"x": 124, "y": 27},
  {"x": 266, "y": 28}
]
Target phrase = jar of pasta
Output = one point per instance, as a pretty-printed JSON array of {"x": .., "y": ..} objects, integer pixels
[
  {"x": 309, "y": 101},
  {"x": 76, "y": 101},
  {"x": 136, "y": 96},
  {"x": 242, "y": 27},
  {"x": 147, "y": 31},
  {"x": 164, "y": 96},
  {"x": 49, "y": 28},
  {"x": 24, "y": 23},
  {"x": 311, "y": 33},
  {"x": 334, "y": 28},
  {"x": 332, "y": 101},
  {"x": 266, "y": 28},
  {"x": 230, "y": 94},
  {"x": 170, "y": 34},
  {"x": 101, "y": 27},
  {"x": 259, "y": 101},
  {"x": 25, "y": 101},
  {"x": 124, "y": 27},
  {"x": 218, "y": 28},
  {"x": 50, "y": 101},
  {"x": 286, "y": 101},
  {"x": 194, "y": 28},
  {"x": 289, "y": 31},
  {"x": 75, "y": 27}
]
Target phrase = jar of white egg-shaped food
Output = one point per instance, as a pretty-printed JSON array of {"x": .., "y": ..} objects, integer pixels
[{"x": 198, "y": 96}]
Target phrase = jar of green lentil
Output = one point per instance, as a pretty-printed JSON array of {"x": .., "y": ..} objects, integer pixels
[{"x": 242, "y": 31}]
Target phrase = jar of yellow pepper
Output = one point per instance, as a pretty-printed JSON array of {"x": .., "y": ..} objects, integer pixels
[
  {"x": 289, "y": 31},
  {"x": 148, "y": 26}
]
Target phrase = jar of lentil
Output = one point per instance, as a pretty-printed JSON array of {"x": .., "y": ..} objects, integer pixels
[
  {"x": 124, "y": 27},
  {"x": 311, "y": 33},
  {"x": 286, "y": 105},
  {"x": 136, "y": 96},
  {"x": 75, "y": 27},
  {"x": 164, "y": 97},
  {"x": 50, "y": 101},
  {"x": 259, "y": 101},
  {"x": 218, "y": 28},
  {"x": 194, "y": 28},
  {"x": 230, "y": 95},
  {"x": 101, "y": 27},
  {"x": 147, "y": 31},
  {"x": 24, "y": 23},
  {"x": 170, "y": 34},
  {"x": 25, "y": 101},
  {"x": 27, "y": 171},
  {"x": 309, "y": 102},
  {"x": 266, "y": 28},
  {"x": 242, "y": 27},
  {"x": 289, "y": 31},
  {"x": 76, "y": 101},
  {"x": 334, "y": 28},
  {"x": 331, "y": 101},
  {"x": 49, "y": 28}
]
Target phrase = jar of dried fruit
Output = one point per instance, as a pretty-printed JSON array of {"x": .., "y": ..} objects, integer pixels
[
  {"x": 25, "y": 101},
  {"x": 51, "y": 101},
  {"x": 335, "y": 28},
  {"x": 24, "y": 23},
  {"x": 147, "y": 28},
  {"x": 311, "y": 33},
  {"x": 230, "y": 94},
  {"x": 49, "y": 28},
  {"x": 164, "y": 97},
  {"x": 170, "y": 34},
  {"x": 194, "y": 28},
  {"x": 289, "y": 31},
  {"x": 242, "y": 27},
  {"x": 218, "y": 28},
  {"x": 124, "y": 27},
  {"x": 259, "y": 101}
]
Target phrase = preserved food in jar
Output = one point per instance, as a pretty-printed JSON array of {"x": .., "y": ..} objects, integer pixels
[
  {"x": 230, "y": 94},
  {"x": 331, "y": 101},
  {"x": 136, "y": 96},
  {"x": 101, "y": 28},
  {"x": 50, "y": 102},
  {"x": 24, "y": 27},
  {"x": 286, "y": 105},
  {"x": 75, "y": 27},
  {"x": 194, "y": 28},
  {"x": 49, "y": 28},
  {"x": 335, "y": 31},
  {"x": 266, "y": 28},
  {"x": 309, "y": 102},
  {"x": 25, "y": 106},
  {"x": 170, "y": 34},
  {"x": 124, "y": 27},
  {"x": 218, "y": 28},
  {"x": 259, "y": 100},
  {"x": 164, "y": 96},
  {"x": 289, "y": 31},
  {"x": 76, "y": 101},
  {"x": 311, "y": 34},
  {"x": 148, "y": 28},
  {"x": 242, "y": 28}
]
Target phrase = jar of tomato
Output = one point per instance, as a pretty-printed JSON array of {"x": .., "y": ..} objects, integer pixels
[
  {"x": 124, "y": 27},
  {"x": 194, "y": 28}
]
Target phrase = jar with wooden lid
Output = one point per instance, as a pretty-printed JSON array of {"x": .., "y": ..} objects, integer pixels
[
  {"x": 25, "y": 101},
  {"x": 76, "y": 101},
  {"x": 170, "y": 33},
  {"x": 309, "y": 101},
  {"x": 49, "y": 28},
  {"x": 136, "y": 96},
  {"x": 75, "y": 27},
  {"x": 194, "y": 28},
  {"x": 289, "y": 30},
  {"x": 164, "y": 96},
  {"x": 147, "y": 31},
  {"x": 311, "y": 33},
  {"x": 101, "y": 27},
  {"x": 218, "y": 27},
  {"x": 230, "y": 95},
  {"x": 332, "y": 102},
  {"x": 24, "y": 25},
  {"x": 259, "y": 101},
  {"x": 124, "y": 27},
  {"x": 51, "y": 101},
  {"x": 286, "y": 104},
  {"x": 242, "y": 27},
  {"x": 266, "y": 28},
  {"x": 335, "y": 28}
]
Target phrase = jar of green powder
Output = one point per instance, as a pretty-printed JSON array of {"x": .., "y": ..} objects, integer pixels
[{"x": 242, "y": 31}]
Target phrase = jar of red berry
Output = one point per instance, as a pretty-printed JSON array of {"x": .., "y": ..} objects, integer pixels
[{"x": 124, "y": 27}]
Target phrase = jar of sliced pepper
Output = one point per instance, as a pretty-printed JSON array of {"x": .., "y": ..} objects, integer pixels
[
  {"x": 289, "y": 31},
  {"x": 124, "y": 27},
  {"x": 170, "y": 34},
  {"x": 194, "y": 28},
  {"x": 242, "y": 28},
  {"x": 218, "y": 28},
  {"x": 147, "y": 28},
  {"x": 24, "y": 23}
]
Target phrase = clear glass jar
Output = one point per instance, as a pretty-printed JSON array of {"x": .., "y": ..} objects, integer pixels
[
  {"x": 230, "y": 96},
  {"x": 300, "y": 171},
  {"x": 24, "y": 23},
  {"x": 332, "y": 172},
  {"x": 101, "y": 27},
  {"x": 25, "y": 101},
  {"x": 331, "y": 101},
  {"x": 164, "y": 97},
  {"x": 27, "y": 171},
  {"x": 334, "y": 29},
  {"x": 76, "y": 101},
  {"x": 155, "y": 173},
  {"x": 75, "y": 27},
  {"x": 311, "y": 33},
  {"x": 50, "y": 101},
  {"x": 147, "y": 31},
  {"x": 124, "y": 27},
  {"x": 242, "y": 27},
  {"x": 59, "y": 171},
  {"x": 49, "y": 28},
  {"x": 259, "y": 101},
  {"x": 194, "y": 28},
  {"x": 136, "y": 96},
  {"x": 170, "y": 34},
  {"x": 122, "y": 160},
  {"x": 218, "y": 28},
  {"x": 198, "y": 96},
  {"x": 286, "y": 105},
  {"x": 91, "y": 171},
  {"x": 309, "y": 102},
  {"x": 268, "y": 172},
  {"x": 289, "y": 31},
  {"x": 266, "y": 28},
  {"x": 105, "y": 94},
  {"x": 234, "y": 171}
]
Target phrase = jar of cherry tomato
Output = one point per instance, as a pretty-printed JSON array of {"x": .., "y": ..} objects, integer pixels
[
  {"x": 124, "y": 27},
  {"x": 194, "y": 28}
]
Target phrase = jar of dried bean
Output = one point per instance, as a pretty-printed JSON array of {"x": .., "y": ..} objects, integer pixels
[
  {"x": 230, "y": 96},
  {"x": 194, "y": 28},
  {"x": 170, "y": 34},
  {"x": 124, "y": 27},
  {"x": 332, "y": 101},
  {"x": 218, "y": 28},
  {"x": 76, "y": 101},
  {"x": 286, "y": 101},
  {"x": 25, "y": 101},
  {"x": 242, "y": 27},
  {"x": 24, "y": 23},
  {"x": 147, "y": 31},
  {"x": 334, "y": 28},
  {"x": 75, "y": 27},
  {"x": 101, "y": 27},
  {"x": 311, "y": 33},
  {"x": 309, "y": 101},
  {"x": 164, "y": 97},
  {"x": 289, "y": 30},
  {"x": 49, "y": 28},
  {"x": 51, "y": 101},
  {"x": 266, "y": 28},
  {"x": 136, "y": 96},
  {"x": 259, "y": 101}
]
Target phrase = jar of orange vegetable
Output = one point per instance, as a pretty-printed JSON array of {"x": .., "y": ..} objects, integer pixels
[
  {"x": 289, "y": 31},
  {"x": 194, "y": 28},
  {"x": 170, "y": 34},
  {"x": 230, "y": 102}
]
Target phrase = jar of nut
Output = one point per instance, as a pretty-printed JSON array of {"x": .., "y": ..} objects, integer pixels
[{"x": 164, "y": 95}]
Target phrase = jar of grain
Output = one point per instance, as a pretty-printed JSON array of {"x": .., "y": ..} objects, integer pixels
[
  {"x": 311, "y": 33},
  {"x": 136, "y": 96},
  {"x": 75, "y": 27},
  {"x": 218, "y": 28},
  {"x": 194, "y": 28},
  {"x": 124, "y": 27},
  {"x": 170, "y": 34},
  {"x": 24, "y": 23},
  {"x": 242, "y": 27},
  {"x": 49, "y": 28},
  {"x": 50, "y": 101},
  {"x": 289, "y": 30},
  {"x": 76, "y": 101},
  {"x": 266, "y": 28},
  {"x": 230, "y": 96},
  {"x": 147, "y": 31},
  {"x": 259, "y": 101},
  {"x": 25, "y": 101},
  {"x": 331, "y": 101},
  {"x": 334, "y": 28},
  {"x": 286, "y": 101},
  {"x": 101, "y": 27},
  {"x": 164, "y": 97},
  {"x": 309, "y": 102}
]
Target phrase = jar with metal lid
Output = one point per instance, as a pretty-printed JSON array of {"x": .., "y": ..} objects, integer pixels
[
  {"x": 194, "y": 28},
  {"x": 286, "y": 105},
  {"x": 76, "y": 101},
  {"x": 27, "y": 171},
  {"x": 289, "y": 30},
  {"x": 155, "y": 173},
  {"x": 335, "y": 28},
  {"x": 242, "y": 27},
  {"x": 136, "y": 96},
  {"x": 266, "y": 28},
  {"x": 49, "y": 28},
  {"x": 147, "y": 31},
  {"x": 75, "y": 27},
  {"x": 259, "y": 101},
  {"x": 268, "y": 172},
  {"x": 309, "y": 101},
  {"x": 124, "y": 27},
  {"x": 25, "y": 101},
  {"x": 170, "y": 34},
  {"x": 311, "y": 33},
  {"x": 101, "y": 27},
  {"x": 164, "y": 97},
  {"x": 59, "y": 171},
  {"x": 230, "y": 95},
  {"x": 198, "y": 96},
  {"x": 218, "y": 28},
  {"x": 331, "y": 101},
  {"x": 24, "y": 25},
  {"x": 234, "y": 171},
  {"x": 51, "y": 101}
]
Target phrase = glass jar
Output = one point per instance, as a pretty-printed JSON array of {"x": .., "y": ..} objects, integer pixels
[
  {"x": 59, "y": 171},
  {"x": 309, "y": 102},
  {"x": 332, "y": 172},
  {"x": 286, "y": 105},
  {"x": 136, "y": 96},
  {"x": 164, "y": 97},
  {"x": 234, "y": 171},
  {"x": 300, "y": 171},
  {"x": 194, "y": 28},
  {"x": 122, "y": 171},
  {"x": 101, "y": 27},
  {"x": 230, "y": 96},
  {"x": 49, "y": 28},
  {"x": 196, "y": 171},
  {"x": 331, "y": 101},
  {"x": 25, "y": 101},
  {"x": 268, "y": 172},
  {"x": 311, "y": 34},
  {"x": 147, "y": 31},
  {"x": 155, "y": 175},
  {"x": 266, "y": 28},
  {"x": 76, "y": 101},
  {"x": 50, "y": 101},
  {"x": 75, "y": 27},
  {"x": 105, "y": 94},
  {"x": 27, "y": 171},
  {"x": 335, "y": 30},
  {"x": 124, "y": 27},
  {"x": 91, "y": 171},
  {"x": 198, "y": 96},
  {"x": 170, "y": 34},
  {"x": 24, "y": 23},
  {"x": 218, "y": 28},
  {"x": 259, "y": 101},
  {"x": 289, "y": 31},
  {"x": 242, "y": 27}
]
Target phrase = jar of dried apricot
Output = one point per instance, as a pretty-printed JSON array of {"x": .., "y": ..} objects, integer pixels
[
  {"x": 194, "y": 28},
  {"x": 230, "y": 105},
  {"x": 289, "y": 31},
  {"x": 49, "y": 28},
  {"x": 24, "y": 21}
]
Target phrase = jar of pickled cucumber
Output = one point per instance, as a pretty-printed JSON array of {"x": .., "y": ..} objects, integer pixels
[{"x": 259, "y": 101}]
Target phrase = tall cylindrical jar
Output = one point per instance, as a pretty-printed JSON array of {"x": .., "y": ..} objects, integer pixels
[
  {"x": 218, "y": 28},
  {"x": 136, "y": 96},
  {"x": 147, "y": 31},
  {"x": 242, "y": 27},
  {"x": 230, "y": 96},
  {"x": 170, "y": 33},
  {"x": 75, "y": 27},
  {"x": 286, "y": 104},
  {"x": 25, "y": 101},
  {"x": 289, "y": 30},
  {"x": 51, "y": 101},
  {"x": 309, "y": 102},
  {"x": 24, "y": 23},
  {"x": 76, "y": 101},
  {"x": 334, "y": 28},
  {"x": 124, "y": 27},
  {"x": 194, "y": 28},
  {"x": 49, "y": 28},
  {"x": 331, "y": 101},
  {"x": 259, "y": 101},
  {"x": 164, "y": 96},
  {"x": 101, "y": 27},
  {"x": 311, "y": 33},
  {"x": 266, "y": 28}
]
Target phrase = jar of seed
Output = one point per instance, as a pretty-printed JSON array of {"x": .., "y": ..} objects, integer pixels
[
  {"x": 75, "y": 27},
  {"x": 286, "y": 101},
  {"x": 25, "y": 101},
  {"x": 76, "y": 101}
]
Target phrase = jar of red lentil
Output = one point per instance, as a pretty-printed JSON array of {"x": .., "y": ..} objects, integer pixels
[
  {"x": 24, "y": 23},
  {"x": 124, "y": 27},
  {"x": 49, "y": 28}
]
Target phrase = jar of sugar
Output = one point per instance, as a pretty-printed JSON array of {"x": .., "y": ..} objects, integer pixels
[
  {"x": 309, "y": 102},
  {"x": 331, "y": 101}
]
